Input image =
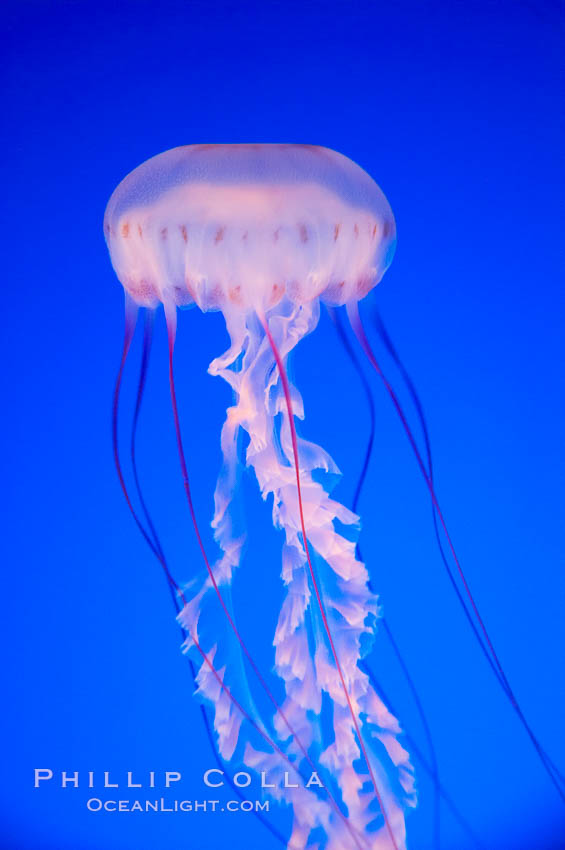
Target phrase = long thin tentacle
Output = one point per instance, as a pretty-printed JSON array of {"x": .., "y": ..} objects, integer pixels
[
  {"x": 434, "y": 771},
  {"x": 157, "y": 549},
  {"x": 383, "y": 333},
  {"x": 357, "y": 326}
]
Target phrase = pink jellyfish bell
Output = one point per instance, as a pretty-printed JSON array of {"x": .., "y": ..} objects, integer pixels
[
  {"x": 264, "y": 233},
  {"x": 239, "y": 228}
]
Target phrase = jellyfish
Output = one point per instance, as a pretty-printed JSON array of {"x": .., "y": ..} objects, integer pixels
[{"x": 266, "y": 234}]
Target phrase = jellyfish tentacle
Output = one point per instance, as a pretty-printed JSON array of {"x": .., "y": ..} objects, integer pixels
[
  {"x": 550, "y": 768},
  {"x": 252, "y": 388},
  {"x": 221, "y": 574},
  {"x": 393, "y": 818},
  {"x": 383, "y": 333},
  {"x": 432, "y": 768},
  {"x": 130, "y": 325},
  {"x": 153, "y": 541},
  {"x": 249, "y": 386},
  {"x": 208, "y": 662},
  {"x": 151, "y": 535},
  {"x": 226, "y": 724},
  {"x": 276, "y": 475},
  {"x": 336, "y": 320},
  {"x": 355, "y": 321},
  {"x": 302, "y": 824},
  {"x": 428, "y": 767},
  {"x": 149, "y": 317}
]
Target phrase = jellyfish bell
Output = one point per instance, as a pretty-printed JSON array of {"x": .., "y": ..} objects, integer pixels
[
  {"x": 240, "y": 227},
  {"x": 265, "y": 233}
]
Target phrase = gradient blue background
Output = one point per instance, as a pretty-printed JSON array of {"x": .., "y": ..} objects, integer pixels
[{"x": 455, "y": 109}]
